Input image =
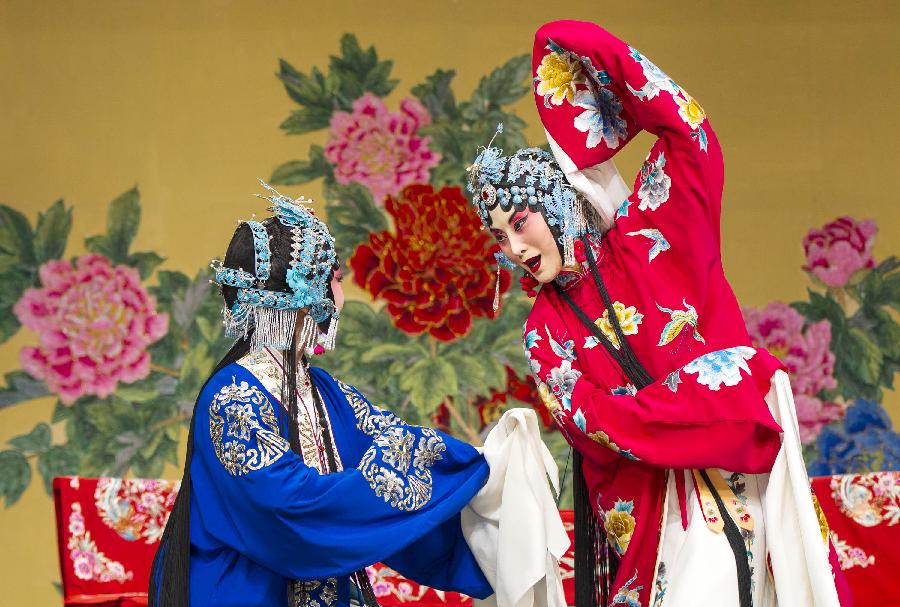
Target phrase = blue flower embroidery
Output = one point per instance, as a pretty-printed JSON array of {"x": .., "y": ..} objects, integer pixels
[
  {"x": 657, "y": 80},
  {"x": 721, "y": 366},
  {"x": 562, "y": 381},
  {"x": 601, "y": 118}
]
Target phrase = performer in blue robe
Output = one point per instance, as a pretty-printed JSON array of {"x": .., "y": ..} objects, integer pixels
[{"x": 294, "y": 482}]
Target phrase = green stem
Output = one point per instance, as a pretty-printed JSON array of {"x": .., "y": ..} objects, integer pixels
[
  {"x": 168, "y": 422},
  {"x": 165, "y": 370}
]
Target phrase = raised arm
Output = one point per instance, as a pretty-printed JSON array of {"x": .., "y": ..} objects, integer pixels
[{"x": 594, "y": 93}]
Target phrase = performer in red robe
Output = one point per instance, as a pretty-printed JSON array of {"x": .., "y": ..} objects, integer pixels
[{"x": 686, "y": 433}]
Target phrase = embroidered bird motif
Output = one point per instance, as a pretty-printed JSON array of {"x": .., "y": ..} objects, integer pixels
[
  {"x": 679, "y": 319},
  {"x": 565, "y": 351},
  {"x": 660, "y": 243}
]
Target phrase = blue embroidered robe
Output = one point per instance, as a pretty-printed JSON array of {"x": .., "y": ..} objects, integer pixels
[{"x": 261, "y": 516}]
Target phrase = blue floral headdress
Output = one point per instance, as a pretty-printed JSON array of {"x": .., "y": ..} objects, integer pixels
[
  {"x": 272, "y": 314},
  {"x": 529, "y": 178}
]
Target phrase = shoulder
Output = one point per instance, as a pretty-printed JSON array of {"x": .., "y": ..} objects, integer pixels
[{"x": 244, "y": 430}]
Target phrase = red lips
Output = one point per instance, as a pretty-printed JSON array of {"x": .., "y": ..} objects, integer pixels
[{"x": 534, "y": 263}]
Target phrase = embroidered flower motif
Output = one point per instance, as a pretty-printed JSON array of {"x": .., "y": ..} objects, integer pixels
[
  {"x": 868, "y": 499},
  {"x": 601, "y": 118},
  {"x": 619, "y": 524},
  {"x": 95, "y": 322},
  {"x": 629, "y": 319},
  {"x": 721, "y": 366},
  {"x": 839, "y": 249},
  {"x": 87, "y": 561},
  {"x": 659, "y": 245},
  {"x": 850, "y": 556},
  {"x": 562, "y": 381},
  {"x": 401, "y": 478},
  {"x": 657, "y": 80},
  {"x": 433, "y": 269},
  {"x": 135, "y": 508},
  {"x": 806, "y": 352},
  {"x": 655, "y": 184},
  {"x": 679, "y": 319},
  {"x": 558, "y": 77},
  {"x": 662, "y": 584},
  {"x": 380, "y": 149},
  {"x": 690, "y": 111},
  {"x": 548, "y": 398},
  {"x": 249, "y": 419}
]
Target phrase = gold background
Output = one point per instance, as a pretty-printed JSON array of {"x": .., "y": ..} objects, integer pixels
[{"x": 180, "y": 98}]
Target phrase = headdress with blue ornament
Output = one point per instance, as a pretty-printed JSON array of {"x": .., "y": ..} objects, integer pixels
[
  {"x": 271, "y": 315},
  {"x": 531, "y": 179}
]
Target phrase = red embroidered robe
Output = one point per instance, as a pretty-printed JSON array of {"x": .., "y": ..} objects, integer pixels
[{"x": 661, "y": 263}]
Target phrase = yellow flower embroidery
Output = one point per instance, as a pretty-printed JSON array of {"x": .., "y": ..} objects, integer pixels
[
  {"x": 629, "y": 319},
  {"x": 690, "y": 111},
  {"x": 547, "y": 397},
  {"x": 603, "y": 438},
  {"x": 558, "y": 77},
  {"x": 619, "y": 526}
]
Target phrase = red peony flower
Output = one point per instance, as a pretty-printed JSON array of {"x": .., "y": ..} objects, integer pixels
[
  {"x": 490, "y": 407},
  {"x": 436, "y": 269}
]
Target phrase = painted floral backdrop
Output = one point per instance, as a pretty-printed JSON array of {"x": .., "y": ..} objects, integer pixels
[{"x": 124, "y": 344}]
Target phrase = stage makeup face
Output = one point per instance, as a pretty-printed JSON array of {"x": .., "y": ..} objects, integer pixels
[
  {"x": 337, "y": 289},
  {"x": 526, "y": 239}
]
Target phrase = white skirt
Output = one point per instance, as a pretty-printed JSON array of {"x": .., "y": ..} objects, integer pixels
[{"x": 699, "y": 566}]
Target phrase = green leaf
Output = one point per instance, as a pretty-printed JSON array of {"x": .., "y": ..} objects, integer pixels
[
  {"x": 58, "y": 460},
  {"x": 436, "y": 95},
  {"x": 314, "y": 91},
  {"x": 16, "y": 236},
  {"x": 297, "y": 172},
  {"x": 505, "y": 85},
  {"x": 865, "y": 355},
  {"x": 15, "y": 475},
  {"x": 822, "y": 308},
  {"x": 137, "y": 393},
  {"x": 35, "y": 441},
  {"x": 61, "y": 412},
  {"x": 52, "y": 232},
  {"x": 352, "y": 216},
  {"x": 186, "y": 305},
  {"x": 123, "y": 217},
  {"x": 359, "y": 71},
  {"x": 429, "y": 382},
  {"x": 306, "y": 120},
  {"x": 145, "y": 262},
  {"x": 20, "y": 386},
  {"x": 387, "y": 352}
]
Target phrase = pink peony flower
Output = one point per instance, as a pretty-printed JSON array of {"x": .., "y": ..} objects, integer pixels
[
  {"x": 813, "y": 414},
  {"x": 380, "y": 149},
  {"x": 94, "y": 321},
  {"x": 839, "y": 249},
  {"x": 806, "y": 354}
]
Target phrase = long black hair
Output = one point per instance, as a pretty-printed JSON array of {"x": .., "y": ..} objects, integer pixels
[{"x": 170, "y": 572}]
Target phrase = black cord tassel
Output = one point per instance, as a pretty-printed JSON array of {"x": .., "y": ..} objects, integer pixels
[{"x": 736, "y": 541}]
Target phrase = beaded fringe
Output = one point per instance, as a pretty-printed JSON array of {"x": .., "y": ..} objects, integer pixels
[{"x": 274, "y": 328}]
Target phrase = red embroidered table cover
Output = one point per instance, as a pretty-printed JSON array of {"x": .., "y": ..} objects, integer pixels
[{"x": 108, "y": 530}]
